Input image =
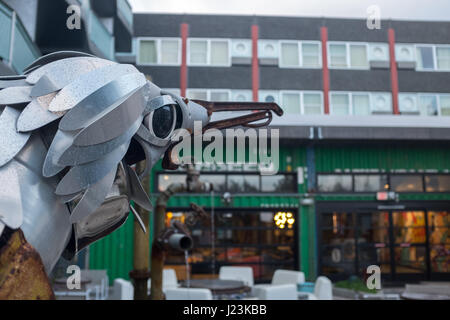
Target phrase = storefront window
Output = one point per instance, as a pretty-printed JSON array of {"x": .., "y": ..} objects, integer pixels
[
  {"x": 406, "y": 183},
  {"x": 216, "y": 180},
  {"x": 243, "y": 183},
  {"x": 278, "y": 183},
  {"x": 370, "y": 183},
  {"x": 437, "y": 183},
  {"x": 243, "y": 238},
  {"x": 334, "y": 183},
  {"x": 164, "y": 180}
]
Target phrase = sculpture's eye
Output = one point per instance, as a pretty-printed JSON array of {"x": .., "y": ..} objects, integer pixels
[{"x": 163, "y": 121}]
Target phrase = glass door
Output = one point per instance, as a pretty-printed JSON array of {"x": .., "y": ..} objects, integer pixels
[
  {"x": 439, "y": 243},
  {"x": 374, "y": 242},
  {"x": 409, "y": 245}
]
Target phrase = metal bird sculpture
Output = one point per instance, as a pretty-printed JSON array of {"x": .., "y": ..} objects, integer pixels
[{"x": 71, "y": 127}]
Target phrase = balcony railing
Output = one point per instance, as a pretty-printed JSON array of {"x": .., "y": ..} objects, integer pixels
[
  {"x": 124, "y": 10},
  {"x": 16, "y": 47},
  {"x": 100, "y": 36}
]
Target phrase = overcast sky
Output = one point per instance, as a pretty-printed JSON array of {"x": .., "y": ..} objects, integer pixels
[{"x": 390, "y": 9}]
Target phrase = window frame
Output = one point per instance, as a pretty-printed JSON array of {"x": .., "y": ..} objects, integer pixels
[
  {"x": 209, "y": 90},
  {"x": 158, "y": 41},
  {"x": 351, "y": 107},
  {"x": 302, "y": 101},
  {"x": 208, "y": 52},
  {"x": 299, "y": 44},
  {"x": 434, "y": 47},
  {"x": 348, "y": 59}
]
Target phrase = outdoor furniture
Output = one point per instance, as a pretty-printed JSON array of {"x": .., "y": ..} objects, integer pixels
[
  {"x": 323, "y": 290},
  {"x": 244, "y": 274},
  {"x": 221, "y": 289},
  {"x": 282, "y": 277},
  {"x": 87, "y": 290},
  {"x": 123, "y": 290},
  {"x": 188, "y": 294},
  {"x": 170, "y": 280},
  {"x": 426, "y": 292},
  {"x": 278, "y": 292},
  {"x": 98, "y": 278}
]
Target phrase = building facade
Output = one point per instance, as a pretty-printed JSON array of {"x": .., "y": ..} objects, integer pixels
[
  {"x": 364, "y": 142},
  {"x": 364, "y": 158}
]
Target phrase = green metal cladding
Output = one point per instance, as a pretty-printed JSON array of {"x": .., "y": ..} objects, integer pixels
[{"x": 115, "y": 252}]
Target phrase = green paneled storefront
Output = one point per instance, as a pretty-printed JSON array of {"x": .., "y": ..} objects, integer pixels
[{"x": 331, "y": 181}]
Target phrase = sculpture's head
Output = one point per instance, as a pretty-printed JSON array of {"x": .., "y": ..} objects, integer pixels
[{"x": 97, "y": 118}]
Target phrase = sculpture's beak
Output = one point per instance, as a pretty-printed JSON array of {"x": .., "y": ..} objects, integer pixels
[{"x": 258, "y": 114}]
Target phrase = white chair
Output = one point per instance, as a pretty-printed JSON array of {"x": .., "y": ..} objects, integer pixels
[
  {"x": 123, "y": 290},
  {"x": 170, "y": 280},
  {"x": 288, "y": 277},
  {"x": 244, "y": 274},
  {"x": 323, "y": 290},
  {"x": 282, "y": 277},
  {"x": 278, "y": 292},
  {"x": 188, "y": 294}
]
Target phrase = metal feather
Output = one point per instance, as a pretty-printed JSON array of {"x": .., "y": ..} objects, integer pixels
[
  {"x": 114, "y": 122},
  {"x": 87, "y": 84},
  {"x": 15, "y": 95},
  {"x": 11, "y": 141},
  {"x": 89, "y": 108},
  {"x": 137, "y": 192},
  {"x": 55, "y": 56},
  {"x": 93, "y": 197},
  {"x": 76, "y": 155},
  {"x": 81, "y": 177},
  {"x": 36, "y": 114}
]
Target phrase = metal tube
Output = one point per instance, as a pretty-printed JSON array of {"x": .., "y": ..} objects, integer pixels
[
  {"x": 141, "y": 260},
  {"x": 180, "y": 241}
]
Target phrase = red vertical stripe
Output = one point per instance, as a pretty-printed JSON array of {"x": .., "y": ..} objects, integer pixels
[
  {"x": 183, "y": 69},
  {"x": 394, "y": 73},
  {"x": 325, "y": 71},
  {"x": 255, "y": 65}
]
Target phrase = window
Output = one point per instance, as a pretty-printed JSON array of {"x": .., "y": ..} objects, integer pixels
[
  {"x": 148, "y": 52},
  {"x": 290, "y": 56},
  {"x": 425, "y": 57},
  {"x": 406, "y": 183},
  {"x": 340, "y": 103},
  {"x": 243, "y": 183},
  {"x": 348, "y": 55},
  {"x": 278, "y": 183},
  {"x": 198, "y": 51},
  {"x": 370, "y": 183},
  {"x": 437, "y": 183},
  {"x": 166, "y": 179},
  {"x": 361, "y": 104},
  {"x": 338, "y": 55},
  {"x": 428, "y": 105},
  {"x": 311, "y": 55},
  {"x": 290, "y": 102},
  {"x": 443, "y": 58},
  {"x": 358, "y": 56},
  {"x": 334, "y": 183},
  {"x": 312, "y": 103},
  {"x": 213, "y": 52},
  {"x": 445, "y": 105},
  {"x": 197, "y": 94},
  {"x": 209, "y": 94},
  {"x": 165, "y": 51}
]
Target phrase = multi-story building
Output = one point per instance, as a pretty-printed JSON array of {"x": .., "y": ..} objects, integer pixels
[
  {"x": 364, "y": 153},
  {"x": 364, "y": 142}
]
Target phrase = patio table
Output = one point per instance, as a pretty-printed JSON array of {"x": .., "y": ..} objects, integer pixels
[{"x": 221, "y": 289}]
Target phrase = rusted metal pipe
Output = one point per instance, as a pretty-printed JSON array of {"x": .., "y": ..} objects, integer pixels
[
  {"x": 141, "y": 261},
  {"x": 158, "y": 253},
  {"x": 22, "y": 273}
]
